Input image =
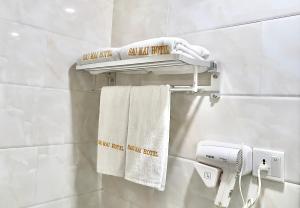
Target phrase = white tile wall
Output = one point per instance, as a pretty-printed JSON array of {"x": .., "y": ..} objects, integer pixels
[
  {"x": 38, "y": 116},
  {"x": 69, "y": 169},
  {"x": 91, "y": 20},
  {"x": 240, "y": 66},
  {"x": 89, "y": 200},
  {"x": 281, "y": 56},
  {"x": 9, "y": 9},
  {"x": 128, "y": 191},
  {"x": 186, "y": 17},
  {"x": 185, "y": 189},
  {"x": 46, "y": 107},
  {"x": 48, "y": 111},
  {"x": 137, "y": 20},
  {"x": 266, "y": 122},
  {"x": 257, "y": 46},
  {"x": 34, "y": 175},
  {"x": 259, "y": 58},
  {"x": 111, "y": 200},
  {"x": 40, "y": 58},
  {"x": 18, "y": 176}
]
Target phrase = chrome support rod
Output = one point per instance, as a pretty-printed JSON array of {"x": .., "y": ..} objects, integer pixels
[{"x": 195, "y": 81}]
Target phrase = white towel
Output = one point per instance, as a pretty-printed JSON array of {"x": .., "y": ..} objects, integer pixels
[
  {"x": 148, "y": 136},
  {"x": 196, "y": 52},
  {"x": 113, "y": 124},
  {"x": 101, "y": 55},
  {"x": 163, "y": 46}
]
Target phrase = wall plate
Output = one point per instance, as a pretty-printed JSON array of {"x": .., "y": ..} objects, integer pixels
[{"x": 274, "y": 160}]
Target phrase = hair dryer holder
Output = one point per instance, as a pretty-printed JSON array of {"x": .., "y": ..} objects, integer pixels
[{"x": 219, "y": 164}]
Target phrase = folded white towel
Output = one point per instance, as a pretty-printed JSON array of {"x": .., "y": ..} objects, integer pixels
[
  {"x": 162, "y": 46},
  {"x": 101, "y": 55},
  {"x": 148, "y": 136},
  {"x": 196, "y": 52},
  {"x": 113, "y": 123}
]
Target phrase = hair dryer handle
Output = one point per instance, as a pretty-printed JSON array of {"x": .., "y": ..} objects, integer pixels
[{"x": 226, "y": 188}]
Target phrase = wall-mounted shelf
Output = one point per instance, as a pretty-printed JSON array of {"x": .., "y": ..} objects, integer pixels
[
  {"x": 162, "y": 64},
  {"x": 146, "y": 64}
]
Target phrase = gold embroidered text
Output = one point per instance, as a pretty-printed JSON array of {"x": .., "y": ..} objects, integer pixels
[
  {"x": 111, "y": 145},
  {"x": 117, "y": 147},
  {"x": 134, "y": 148},
  {"x": 140, "y": 51},
  {"x": 160, "y": 50},
  {"x": 96, "y": 55},
  {"x": 144, "y": 151}
]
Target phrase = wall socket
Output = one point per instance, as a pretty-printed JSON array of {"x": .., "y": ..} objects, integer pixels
[{"x": 274, "y": 160}]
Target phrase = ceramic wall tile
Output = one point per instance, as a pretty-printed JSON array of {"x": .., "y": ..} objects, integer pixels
[
  {"x": 127, "y": 190},
  {"x": 271, "y": 123},
  {"x": 89, "y": 200},
  {"x": 273, "y": 194},
  {"x": 42, "y": 101},
  {"x": 111, "y": 200},
  {"x": 259, "y": 58},
  {"x": 160, "y": 79},
  {"x": 68, "y": 169},
  {"x": 183, "y": 186},
  {"x": 45, "y": 103},
  {"x": 101, "y": 80},
  {"x": 135, "y": 20},
  {"x": 17, "y": 177},
  {"x": 33, "y": 57},
  {"x": 185, "y": 189},
  {"x": 238, "y": 52},
  {"x": 89, "y": 20},
  {"x": 186, "y": 17},
  {"x": 281, "y": 56},
  {"x": 36, "y": 175},
  {"x": 37, "y": 116},
  {"x": 85, "y": 115},
  {"x": 9, "y": 9}
]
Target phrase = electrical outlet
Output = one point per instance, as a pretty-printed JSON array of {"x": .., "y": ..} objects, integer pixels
[{"x": 273, "y": 159}]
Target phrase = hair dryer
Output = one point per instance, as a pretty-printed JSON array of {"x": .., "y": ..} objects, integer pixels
[{"x": 231, "y": 159}]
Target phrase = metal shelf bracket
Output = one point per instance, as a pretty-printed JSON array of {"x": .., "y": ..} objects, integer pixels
[{"x": 158, "y": 64}]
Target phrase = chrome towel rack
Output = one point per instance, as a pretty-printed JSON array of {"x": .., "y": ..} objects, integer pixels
[{"x": 162, "y": 64}]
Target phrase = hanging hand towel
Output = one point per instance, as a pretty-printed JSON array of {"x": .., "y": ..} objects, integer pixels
[
  {"x": 113, "y": 124},
  {"x": 163, "y": 46},
  {"x": 101, "y": 55},
  {"x": 148, "y": 136}
]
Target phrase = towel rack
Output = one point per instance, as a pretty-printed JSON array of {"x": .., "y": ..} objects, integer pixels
[{"x": 160, "y": 64}]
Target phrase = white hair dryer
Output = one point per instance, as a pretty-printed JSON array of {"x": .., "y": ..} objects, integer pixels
[{"x": 222, "y": 160}]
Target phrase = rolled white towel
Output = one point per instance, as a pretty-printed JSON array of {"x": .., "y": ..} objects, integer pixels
[
  {"x": 162, "y": 46},
  {"x": 193, "y": 50},
  {"x": 101, "y": 55},
  {"x": 181, "y": 49}
]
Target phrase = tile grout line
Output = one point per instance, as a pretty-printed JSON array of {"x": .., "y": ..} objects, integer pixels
[
  {"x": 181, "y": 34},
  {"x": 240, "y": 24},
  {"x": 46, "y": 145},
  {"x": 47, "y": 87},
  {"x": 261, "y": 95},
  {"x": 97, "y": 90},
  {"x": 62, "y": 198},
  {"x": 44, "y": 29},
  {"x": 111, "y": 25},
  {"x": 192, "y": 160}
]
